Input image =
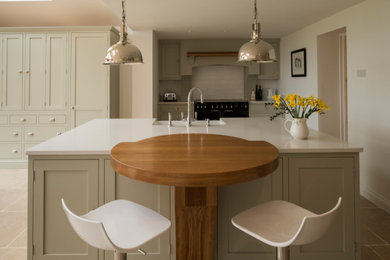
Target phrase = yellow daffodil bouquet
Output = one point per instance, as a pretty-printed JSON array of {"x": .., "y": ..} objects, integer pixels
[{"x": 297, "y": 106}]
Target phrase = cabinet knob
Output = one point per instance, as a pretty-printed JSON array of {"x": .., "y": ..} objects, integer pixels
[
  {"x": 52, "y": 119},
  {"x": 15, "y": 133},
  {"x": 20, "y": 71},
  {"x": 73, "y": 108},
  {"x": 23, "y": 119},
  {"x": 30, "y": 133},
  {"x": 27, "y": 71},
  {"x": 14, "y": 151},
  {"x": 58, "y": 133}
]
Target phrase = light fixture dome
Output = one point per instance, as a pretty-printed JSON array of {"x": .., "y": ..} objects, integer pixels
[
  {"x": 260, "y": 51},
  {"x": 123, "y": 52},
  {"x": 256, "y": 50}
]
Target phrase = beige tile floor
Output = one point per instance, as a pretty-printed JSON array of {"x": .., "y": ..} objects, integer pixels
[
  {"x": 375, "y": 226},
  {"x": 13, "y": 214}
]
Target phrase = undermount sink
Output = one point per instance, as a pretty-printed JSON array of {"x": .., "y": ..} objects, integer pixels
[{"x": 195, "y": 123}]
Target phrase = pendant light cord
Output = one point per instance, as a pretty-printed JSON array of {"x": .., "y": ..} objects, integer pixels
[
  {"x": 123, "y": 35},
  {"x": 123, "y": 12},
  {"x": 255, "y": 11}
]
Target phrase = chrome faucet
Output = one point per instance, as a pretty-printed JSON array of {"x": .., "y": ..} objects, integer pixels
[{"x": 189, "y": 104}]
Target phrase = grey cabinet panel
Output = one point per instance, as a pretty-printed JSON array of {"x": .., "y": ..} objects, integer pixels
[
  {"x": 232, "y": 243},
  {"x": 315, "y": 184},
  {"x": 170, "y": 60},
  {"x": 77, "y": 182},
  {"x": 156, "y": 197}
]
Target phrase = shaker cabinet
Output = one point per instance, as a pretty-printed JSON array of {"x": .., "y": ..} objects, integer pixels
[
  {"x": 271, "y": 70},
  {"x": 35, "y": 71},
  {"x": 89, "y": 75},
  {"x": 77, "y": 181},
  {"x": 53, "y": 79},
  {"x": 12, "y": 72},
  {"x": 316, "y": 184},
  {"x": 313, "y": 181},
  {"x": 56, "y": 72},
  {"x": 156, "y": 197},
  {"x": 169, "y": 60},
  {"x": 232, "y": 243},
  {"x": 260, "y": 109}
]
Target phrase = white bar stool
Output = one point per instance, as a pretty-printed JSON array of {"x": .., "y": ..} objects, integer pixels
[
  {"x": 282, "y": 224},
  {"x": 119, "y": 225}
]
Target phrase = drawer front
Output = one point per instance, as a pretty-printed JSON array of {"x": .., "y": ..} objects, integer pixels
[
  {"x": 52, "y": 119},
  {"x": 10, "y": 134},
  {"x": 23, "y": 119},
  {"x": 11, "y": 151},
  {"x": 27, "y": 146},
  {"x": 3, "y": 120},
  {"x": 41, "y": 133},
  {"x": 260, "y": 108}
]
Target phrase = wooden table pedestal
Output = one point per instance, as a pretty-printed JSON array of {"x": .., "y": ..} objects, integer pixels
[{"x": 196, "y": 213}]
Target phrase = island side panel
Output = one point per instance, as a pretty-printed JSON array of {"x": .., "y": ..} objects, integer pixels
[
  {"x": 75, "y": 180},
  {"x": 282, "y": 183},
  {"x": 234, "y": 244},
  {"x": 156, "y": 197},
  {"x": 314, "y": 181}
]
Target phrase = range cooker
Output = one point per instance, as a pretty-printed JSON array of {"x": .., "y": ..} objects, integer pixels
[{"x": 215, "y": 109}]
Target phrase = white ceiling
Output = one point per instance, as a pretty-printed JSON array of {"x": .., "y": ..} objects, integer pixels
[
  {"x": 177, "y": 18},
  {"x": 57, "y": 13}
]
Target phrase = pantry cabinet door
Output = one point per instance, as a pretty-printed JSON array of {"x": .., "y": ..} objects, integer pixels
[
  {"x": 34, "y": 73},
  {"x": 77, "y": 182},
  {"x": 56, "y": 71},
  {"x": 234, "y": 244},
  {"x": 316, "y": 184},
  {"x": 12, "y": 78},
  {"x": 89, "y": 77},
  {"x": 153, "y": 196},
  {"x": 1, "y": 71}
]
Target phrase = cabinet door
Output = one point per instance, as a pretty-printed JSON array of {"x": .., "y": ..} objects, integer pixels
[
  {"x": 170, "y": 60},
  {"x": 271, "y": 70},
  {"x": 34, "y": 84},
  {"x": 156, "y": 197},
  {"x": 234, "y": 244},
  {"x": 89, "y": 77},
  {"x": 316, "y": 184},
  {"x": 1, "y": 74},
  {"x": 12, "y": 80},
  {"x": 56, "y": 71},
  {"x": 77, "y": 182}
]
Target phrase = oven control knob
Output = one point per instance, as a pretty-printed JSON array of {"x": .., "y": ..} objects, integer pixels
[
  {"x": 231, "y": 106},
  {"x": 212, "y": 107}
]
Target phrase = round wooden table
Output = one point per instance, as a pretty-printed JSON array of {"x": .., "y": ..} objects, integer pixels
[{"x": 195, "y": 164}]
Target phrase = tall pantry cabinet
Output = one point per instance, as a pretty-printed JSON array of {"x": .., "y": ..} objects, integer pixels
[{"x": 52, "y": 79}]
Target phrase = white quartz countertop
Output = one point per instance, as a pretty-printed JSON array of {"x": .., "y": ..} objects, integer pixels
[{"x": 100, "y": 135}]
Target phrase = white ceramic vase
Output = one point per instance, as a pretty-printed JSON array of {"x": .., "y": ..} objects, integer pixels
[{"x": 298, "y": 128}]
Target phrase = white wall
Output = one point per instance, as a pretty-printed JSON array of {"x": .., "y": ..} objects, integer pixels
[
  {"x": 368, "y": 41},
  {"x": 138, "y": 83}
]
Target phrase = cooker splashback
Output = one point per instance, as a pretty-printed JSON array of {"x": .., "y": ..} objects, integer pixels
[{"x": 220, "y": 81}]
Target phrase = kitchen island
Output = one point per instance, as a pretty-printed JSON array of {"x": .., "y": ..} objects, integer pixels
[{"x": 76, "y": 166}]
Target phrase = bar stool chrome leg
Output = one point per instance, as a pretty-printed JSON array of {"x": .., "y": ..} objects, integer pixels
[
  {"x": 120, "y": 256},
  {"x": 283, "y": 253}
]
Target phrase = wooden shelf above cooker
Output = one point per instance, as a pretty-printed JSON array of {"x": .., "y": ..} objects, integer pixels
[{"x": 212, "y": 54}]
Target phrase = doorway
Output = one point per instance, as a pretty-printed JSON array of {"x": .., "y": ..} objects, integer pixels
[{"x": 332, "y": 82}]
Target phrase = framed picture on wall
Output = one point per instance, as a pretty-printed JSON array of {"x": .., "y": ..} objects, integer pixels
[{"x": 298, "y": 63}]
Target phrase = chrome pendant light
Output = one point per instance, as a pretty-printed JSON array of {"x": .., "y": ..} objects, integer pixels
[
  {"x": 256, "y": 50},
  {"x": 123, "y": 52}
]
